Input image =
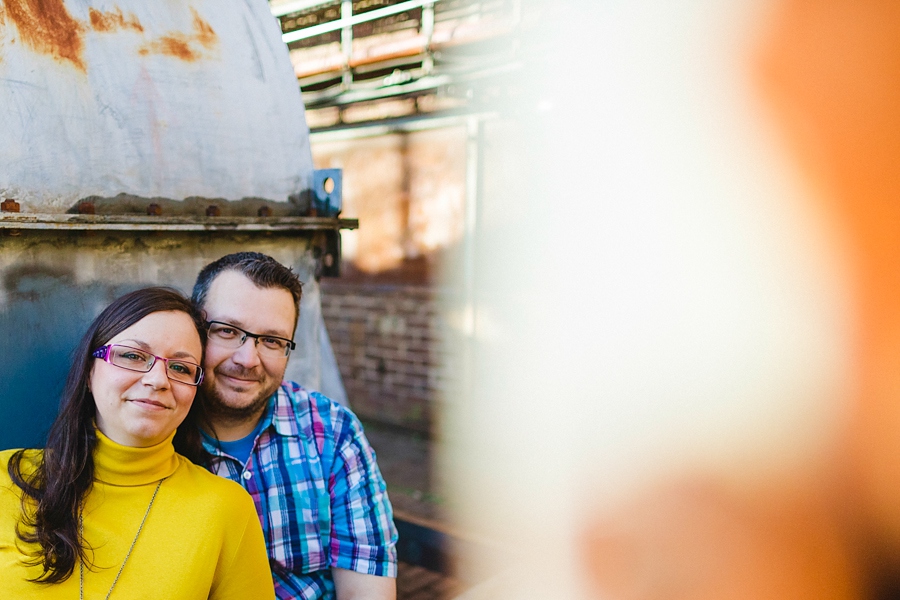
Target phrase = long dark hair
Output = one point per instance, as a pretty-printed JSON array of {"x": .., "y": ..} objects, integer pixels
[{"x": 55, "y": 482}]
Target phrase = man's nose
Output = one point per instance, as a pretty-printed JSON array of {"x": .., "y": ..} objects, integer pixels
[{"x": 246, "y": 355}]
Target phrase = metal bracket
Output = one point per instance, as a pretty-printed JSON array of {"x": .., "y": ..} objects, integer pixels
[
  {"x": 326, "y": 249},
  {"x": 327, "y": 192}
]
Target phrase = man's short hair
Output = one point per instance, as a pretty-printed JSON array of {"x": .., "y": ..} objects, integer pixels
[{"x": 263, "y": 270}]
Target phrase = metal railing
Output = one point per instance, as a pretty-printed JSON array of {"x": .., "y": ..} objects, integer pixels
[
  {"x": 347, "y": 20},
  {"x": 391, "y": 64}
]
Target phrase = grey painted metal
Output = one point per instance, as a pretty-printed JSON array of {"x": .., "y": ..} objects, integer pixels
[
  {"x": 52, "y": 284},
  {"x": 154, "y": 99}
]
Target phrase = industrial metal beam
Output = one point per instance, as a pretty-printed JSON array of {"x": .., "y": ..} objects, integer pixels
[
  {"x": 76, "y": 222},
  {"x": 344, "y": 21}
]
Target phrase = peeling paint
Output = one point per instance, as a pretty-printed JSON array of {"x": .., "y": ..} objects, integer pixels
[
  {"x": 112, "y": 21},
  {"x": 48, "y": 28},
  {"x": 181, "y": 45}
]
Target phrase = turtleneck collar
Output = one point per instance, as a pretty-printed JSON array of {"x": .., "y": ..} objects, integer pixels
[{"x": 116, "y": 464}]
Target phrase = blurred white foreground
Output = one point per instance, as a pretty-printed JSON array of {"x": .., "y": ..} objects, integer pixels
[{"x": 649, "y": 291}]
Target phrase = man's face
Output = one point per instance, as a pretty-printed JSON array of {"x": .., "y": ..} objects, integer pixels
[{"x": 239, "y": 381}]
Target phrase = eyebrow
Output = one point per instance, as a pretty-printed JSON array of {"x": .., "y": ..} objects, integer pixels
[
  {"x": 146, "y": 347},
  {"x": 240, "y": 325}
]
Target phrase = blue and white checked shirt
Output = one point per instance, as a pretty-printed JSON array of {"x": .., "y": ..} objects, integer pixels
[{"x": 319, "y": 493}]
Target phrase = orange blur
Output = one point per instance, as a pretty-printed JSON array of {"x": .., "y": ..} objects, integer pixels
[{"x": 829, "y": 70}]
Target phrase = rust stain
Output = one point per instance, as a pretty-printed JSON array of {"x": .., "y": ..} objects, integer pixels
[
  {"x": 203, "y": 32},
  {"x": 111, "y": 21},
  {"x": 175, "y": 44},
  {"x": 47, "y": 27},
  {"x": 181, "y": 45}
]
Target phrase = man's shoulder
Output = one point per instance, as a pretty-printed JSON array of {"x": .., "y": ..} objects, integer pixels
[
  {"x": 308, "y": 403},
  {"x": 313, "y": 413}
]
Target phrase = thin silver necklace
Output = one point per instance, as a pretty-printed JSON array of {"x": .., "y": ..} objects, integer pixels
[{"x": 133, "y": 542}]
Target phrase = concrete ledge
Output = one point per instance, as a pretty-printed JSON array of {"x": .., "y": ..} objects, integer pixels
[{"x": 76, "y": 222}]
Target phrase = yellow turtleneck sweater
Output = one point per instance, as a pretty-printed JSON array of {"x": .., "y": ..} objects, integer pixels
[{"x": 202, "y": 538}]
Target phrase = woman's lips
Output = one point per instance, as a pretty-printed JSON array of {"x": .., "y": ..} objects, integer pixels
[{"x": 148, "y": 404}]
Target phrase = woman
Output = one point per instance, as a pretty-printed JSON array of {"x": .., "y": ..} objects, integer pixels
[{"x": 108, "y": 508}]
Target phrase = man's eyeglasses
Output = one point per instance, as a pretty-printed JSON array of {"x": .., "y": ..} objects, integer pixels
[
  {"x": 227, "y": 335},
  {"x": 133, "y": 359}
]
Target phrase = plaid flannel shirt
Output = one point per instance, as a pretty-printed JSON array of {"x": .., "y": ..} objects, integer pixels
[{"x": 319, "y": 493}]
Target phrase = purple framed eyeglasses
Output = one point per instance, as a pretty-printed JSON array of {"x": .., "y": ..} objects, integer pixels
[{"x": 134, "y": 359}]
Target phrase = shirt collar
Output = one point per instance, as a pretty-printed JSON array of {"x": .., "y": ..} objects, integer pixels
[
  {"x": 281, "y": 413},
  {"x": 278, "y": 414},
  {"x": 125, "y": 465}
]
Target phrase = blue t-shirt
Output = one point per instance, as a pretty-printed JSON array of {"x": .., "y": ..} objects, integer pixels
[{"x": 239, "y": 449}]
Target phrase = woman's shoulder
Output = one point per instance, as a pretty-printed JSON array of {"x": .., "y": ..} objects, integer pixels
[
  {"x": 30, "y": 459},
  {"x": 27, "y": 465},
  {"x": 213, "y": 488}
]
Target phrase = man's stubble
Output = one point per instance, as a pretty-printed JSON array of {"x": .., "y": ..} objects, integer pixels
[{"x": 221, "y": 412}]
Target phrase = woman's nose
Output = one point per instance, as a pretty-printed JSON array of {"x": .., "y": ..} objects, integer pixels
[{"x": 157, "y": 375}]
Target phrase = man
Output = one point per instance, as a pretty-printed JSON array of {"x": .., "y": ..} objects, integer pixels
[{"x": 303, "y": 458}]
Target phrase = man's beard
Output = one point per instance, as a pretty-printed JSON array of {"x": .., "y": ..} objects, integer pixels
[{"x": 218, "y": 411}]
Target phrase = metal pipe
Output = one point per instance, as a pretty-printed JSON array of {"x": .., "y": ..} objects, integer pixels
[
  {"x": 347, "y": 42},
  {"x": 428, "y": 33},
  {"x": 420, "y": 122}
]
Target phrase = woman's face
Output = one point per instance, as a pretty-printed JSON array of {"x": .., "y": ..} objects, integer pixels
[{"x": 143, "y": 409}]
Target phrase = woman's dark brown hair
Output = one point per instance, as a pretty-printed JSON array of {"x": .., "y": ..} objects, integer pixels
[{"x": 56, "y": 482}]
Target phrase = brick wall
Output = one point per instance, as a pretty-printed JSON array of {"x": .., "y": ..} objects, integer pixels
[
  {"x": 386, "y": 339},
  {"x": 408, "y": 191}
]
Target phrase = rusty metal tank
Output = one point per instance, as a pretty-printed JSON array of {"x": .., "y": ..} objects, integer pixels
[{"x": 138, "y": 142}]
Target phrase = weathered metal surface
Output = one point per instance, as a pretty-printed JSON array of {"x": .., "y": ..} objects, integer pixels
[
  {"x": 156, "y": 99},
  {"x": 92, "y": 222},
  {"x": 52, "y": 284},
  {"x": 140, "y": 141}
]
